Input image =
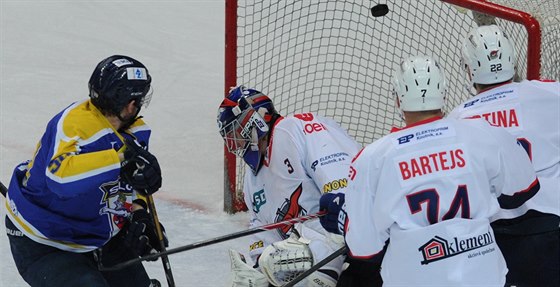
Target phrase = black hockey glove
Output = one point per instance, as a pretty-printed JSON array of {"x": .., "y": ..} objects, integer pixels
[
  {"x": 140, "y": 234},
  {"x": 140, "y": 168}
]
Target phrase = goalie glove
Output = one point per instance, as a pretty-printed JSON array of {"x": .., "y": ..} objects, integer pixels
[
  {"x": 243, "y": 275},
  {"x": 284, "y": 260}
]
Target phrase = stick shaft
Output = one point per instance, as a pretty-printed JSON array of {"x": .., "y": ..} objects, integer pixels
[
  {"x": 214, "y": 240},
  {"x": 3, "y": 189},
  {"x": 159, "y": 231}
]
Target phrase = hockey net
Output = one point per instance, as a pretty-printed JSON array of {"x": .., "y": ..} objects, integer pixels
[{"x": 334, "y": 58}]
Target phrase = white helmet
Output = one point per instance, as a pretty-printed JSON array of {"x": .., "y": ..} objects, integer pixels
[
  {"x": 419, "y": 85},
  {"x": 489, "y": 55}
]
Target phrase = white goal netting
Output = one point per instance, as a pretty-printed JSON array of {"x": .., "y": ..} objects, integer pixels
[{"x": 334, "y": 58}]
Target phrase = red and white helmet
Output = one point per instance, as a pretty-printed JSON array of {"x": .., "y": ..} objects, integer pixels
[
  {"x": 489, "y": 55},
  {"x": 419, "y": 85}
]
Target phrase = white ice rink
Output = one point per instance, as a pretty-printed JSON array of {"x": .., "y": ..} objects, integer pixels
[{"x": 48, "y": 50}]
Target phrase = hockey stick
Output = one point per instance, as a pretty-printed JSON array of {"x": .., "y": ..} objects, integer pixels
[
  {"x": 214, "y": 240},
  {"x": 164, "y": 258},
  {"x": 316, "y": 267},
  {"x": 3, "y": 189}
]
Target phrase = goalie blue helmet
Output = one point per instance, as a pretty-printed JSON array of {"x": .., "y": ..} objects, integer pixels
[
  {"x": 243, "y": 120},
  {"x": 118, "y": 80}
]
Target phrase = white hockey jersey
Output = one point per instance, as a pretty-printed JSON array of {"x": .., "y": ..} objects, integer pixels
[
  {"x": 431, "y": 188},
  {"x": 307, "y": 156},
  {"x": 530, "y": 111}
]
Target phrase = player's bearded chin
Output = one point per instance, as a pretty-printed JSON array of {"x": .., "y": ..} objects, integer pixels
[{"x": 128, "y": 120}]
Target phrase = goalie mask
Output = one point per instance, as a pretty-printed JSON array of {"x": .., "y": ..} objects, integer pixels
[
  {"x": 419, "y": 85},
  {"x": 488, "y": 56},
  {"x": 243, "y": 119}
]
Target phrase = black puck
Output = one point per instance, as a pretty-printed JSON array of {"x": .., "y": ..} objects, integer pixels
[{"x": 379, "y": 10}]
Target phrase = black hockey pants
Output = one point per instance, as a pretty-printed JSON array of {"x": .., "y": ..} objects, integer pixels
[{"x": 43, "y": 265}]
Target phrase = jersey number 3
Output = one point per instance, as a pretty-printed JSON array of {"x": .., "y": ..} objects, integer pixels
[{"x": 430, "y": 198}]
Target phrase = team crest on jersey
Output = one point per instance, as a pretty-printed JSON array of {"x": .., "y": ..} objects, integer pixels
[
  {"x": 115, "y": 195},
  {"x": 439, "y": 248},
  {"x": 290, "y": 209}
]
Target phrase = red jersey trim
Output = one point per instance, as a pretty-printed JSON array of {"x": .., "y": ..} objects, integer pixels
[{"x": 428, "y": 120}]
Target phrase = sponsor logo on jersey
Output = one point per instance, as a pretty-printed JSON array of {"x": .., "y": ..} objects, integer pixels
[
  {"x": 335, "y": 185},
  {"x": 306, "y": 117},
  {"x": 405, "y": 139},
  {"x": 313, "y": 127},
  {"x": 332, "y": 158},
  {"x": 427, "y": 133},
  {"x": 430, "y": 133},
  {"x": 290, "y": 209},
  {"x": 431, "y": 163},
  {"x": 314, "y": 165},
  {"x": 470, "y": 103},
  {"x": 310, "y": 127},
  {"x": 489, "y": 98},
  {"x": 259, "y": 199},
  {"x": 439, "y": 248},
  {"x": 505, "y": 118},
  {"x": 256, "y": 245},
  {"x": 496, "y": 96}
]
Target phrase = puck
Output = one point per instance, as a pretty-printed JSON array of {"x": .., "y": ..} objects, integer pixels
[{"x": 379, "y": 10}]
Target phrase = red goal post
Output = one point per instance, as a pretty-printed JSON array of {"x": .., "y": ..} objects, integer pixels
[{"x": 332, "y": 57}]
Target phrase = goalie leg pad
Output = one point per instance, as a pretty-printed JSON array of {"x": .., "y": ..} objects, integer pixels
[
  {"x": 243, "y": 275},
  {"x": 284, "y": 260}
]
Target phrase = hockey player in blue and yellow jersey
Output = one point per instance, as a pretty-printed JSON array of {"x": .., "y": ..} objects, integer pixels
[{"x": 80, "y": 198}]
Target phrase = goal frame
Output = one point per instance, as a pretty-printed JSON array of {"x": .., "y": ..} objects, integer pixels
[
  {"x": 531, "y": 24},
  {"x": 233, "y": 199}
]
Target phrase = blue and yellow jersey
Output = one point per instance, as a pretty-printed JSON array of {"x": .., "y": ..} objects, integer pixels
[{"x": 69, "y": 195}]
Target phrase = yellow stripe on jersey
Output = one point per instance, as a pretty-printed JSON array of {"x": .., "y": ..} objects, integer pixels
[{"x": 81, "y": 125}]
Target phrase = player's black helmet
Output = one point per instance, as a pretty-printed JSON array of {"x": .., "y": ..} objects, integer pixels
[{"x": 116, "y": 81}]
